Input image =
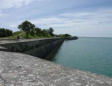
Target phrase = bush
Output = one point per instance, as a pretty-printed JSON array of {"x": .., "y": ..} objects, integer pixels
[{"x": 5, "y": 32}]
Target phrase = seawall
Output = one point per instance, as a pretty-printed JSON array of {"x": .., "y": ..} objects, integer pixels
[
  {"x": 20, "y": 69},
  {"x": 36, "y": 47}
]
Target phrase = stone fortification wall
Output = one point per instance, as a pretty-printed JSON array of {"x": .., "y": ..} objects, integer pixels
[{"x": 36, "y": 47}]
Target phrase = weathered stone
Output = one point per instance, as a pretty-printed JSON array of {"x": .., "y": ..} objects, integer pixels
[{"x": 25, "y": 70}]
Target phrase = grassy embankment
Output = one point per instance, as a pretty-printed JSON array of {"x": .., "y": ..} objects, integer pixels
[{"x": 23, "y": 35}]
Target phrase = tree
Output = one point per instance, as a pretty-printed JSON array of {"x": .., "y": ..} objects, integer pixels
[
  {"x": 38, "y": 31},
  {"x": 32, "y": 32},
  {"x": 67, "y": 35},
  {"x": 45, "y": 32},
  {"x": 5, "y": 32},
  {"x": 51, "y": 31},
  {"x": 27, "y": 27}
]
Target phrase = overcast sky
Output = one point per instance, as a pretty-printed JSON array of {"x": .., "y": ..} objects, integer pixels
[{"x": 76, "y": 17}]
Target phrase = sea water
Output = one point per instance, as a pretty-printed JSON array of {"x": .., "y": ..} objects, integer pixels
[{"x": 91, "y": 54}]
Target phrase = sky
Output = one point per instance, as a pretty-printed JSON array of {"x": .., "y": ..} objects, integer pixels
[{"x": 91, "y": 18}]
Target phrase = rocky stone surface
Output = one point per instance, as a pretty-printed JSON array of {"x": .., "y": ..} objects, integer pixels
[{"x": 24, "y": 70}]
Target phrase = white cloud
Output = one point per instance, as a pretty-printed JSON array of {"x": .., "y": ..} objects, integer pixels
[
  {"x": 2, "y": 14},
  {"x": 97, "y": 23},
  {"x": 13, "y": 3},
  {"x": 94, "y": 23}
]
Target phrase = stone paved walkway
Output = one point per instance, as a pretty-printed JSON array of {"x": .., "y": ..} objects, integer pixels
[
  {"x": 25, "y": 40},
  {"x": 24, "y": 70}
]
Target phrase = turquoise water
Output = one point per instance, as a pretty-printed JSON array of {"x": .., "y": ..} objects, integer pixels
[{"x": 88, "y": 54}]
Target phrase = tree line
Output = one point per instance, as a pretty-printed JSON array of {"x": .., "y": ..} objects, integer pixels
[
  {"x": 32, "y": 30},
  {"x": 29, "y": 29},
  {"x": 5, "y": 32}
]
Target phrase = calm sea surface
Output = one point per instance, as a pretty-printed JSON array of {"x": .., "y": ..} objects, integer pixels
[{"x": 88, "y": 54}]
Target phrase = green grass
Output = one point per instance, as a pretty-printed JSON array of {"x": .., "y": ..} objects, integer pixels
[{"x": 23, "y": 35}]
